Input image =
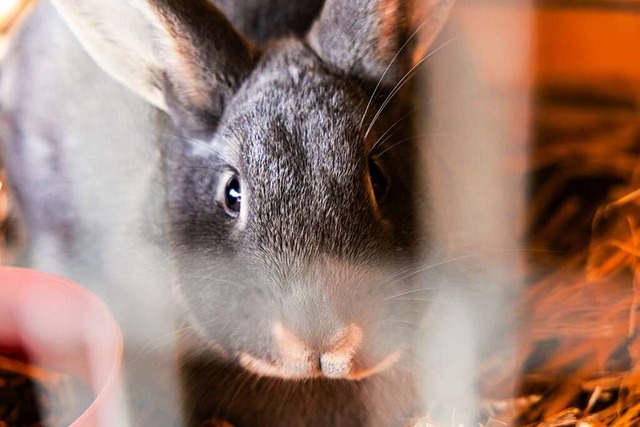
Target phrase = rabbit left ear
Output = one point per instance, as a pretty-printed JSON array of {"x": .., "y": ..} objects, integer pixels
[
  {"x": 183, "y": 56},
  {"x": 363, "y": 37}
]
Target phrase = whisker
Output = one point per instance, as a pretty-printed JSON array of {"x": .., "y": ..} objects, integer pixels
[
  {"x": 395, "y": 144},
  {"x": 403, "y": 321},
  {"x": 479, "y": 254},
  {"x": 406, "y": 275},
  {"x": 193, "y": 141},
  {"x": 375, "y": 90},
  {"x": 381, "y": 141},
  {"x": 157, "y": 343},
  {"x": 402, "y": 82},
  {"x": 437, "y": 288},
  {"x": 437, "y": 264},
  {"x": 424, "y": 300},
  {"x": 208, "y": 275}
]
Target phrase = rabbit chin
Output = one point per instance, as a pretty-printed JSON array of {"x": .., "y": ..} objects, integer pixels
[{"x": 265, "y": 368}]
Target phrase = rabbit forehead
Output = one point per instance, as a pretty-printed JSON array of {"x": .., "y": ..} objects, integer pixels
[
  {"x": 292, "y": 107},
  {"x": 302, "y": 151}
]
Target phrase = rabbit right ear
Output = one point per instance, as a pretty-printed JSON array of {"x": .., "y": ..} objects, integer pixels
[
  {"x": 364, "y": 37},
  {"x": 183, "y": 56}
]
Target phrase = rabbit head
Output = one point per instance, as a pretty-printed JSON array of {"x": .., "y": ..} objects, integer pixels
[{"x": 288, "y": 234}]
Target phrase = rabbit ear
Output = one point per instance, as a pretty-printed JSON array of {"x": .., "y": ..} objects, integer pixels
[
  {"x": 363, "y": 37},
  {"x": 427, "y": 19},
  {"x": 183, "y": 56}
]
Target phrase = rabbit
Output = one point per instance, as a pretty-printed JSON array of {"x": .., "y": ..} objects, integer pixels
[{"x": 251, "y": 134}]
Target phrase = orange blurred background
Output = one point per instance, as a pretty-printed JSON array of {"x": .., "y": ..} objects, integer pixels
[{"x": 571, "y": 40}]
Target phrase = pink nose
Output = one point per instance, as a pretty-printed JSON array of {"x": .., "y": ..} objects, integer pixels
[{"x": 334, "y": 360}]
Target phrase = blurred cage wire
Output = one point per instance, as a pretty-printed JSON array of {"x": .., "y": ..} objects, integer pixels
[
  {"x": 576, "y": 357},
  {"x": 10, "y": 234},
  {"x": 568, "y": 113}
]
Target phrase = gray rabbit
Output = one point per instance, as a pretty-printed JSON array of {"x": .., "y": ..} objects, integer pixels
[{"x": 250, "y": 143}]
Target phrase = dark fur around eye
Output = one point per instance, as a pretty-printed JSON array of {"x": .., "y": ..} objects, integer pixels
[{"x": 379, "y": 180}]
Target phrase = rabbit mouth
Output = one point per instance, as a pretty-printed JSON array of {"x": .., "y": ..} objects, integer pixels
[{"x": 265, "y": 368}]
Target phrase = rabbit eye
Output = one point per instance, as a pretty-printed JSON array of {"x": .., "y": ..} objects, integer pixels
[
  {"x": 379, "y": 181},
  {"x": 232, "y": 197}
]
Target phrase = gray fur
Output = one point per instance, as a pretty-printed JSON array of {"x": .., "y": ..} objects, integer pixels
[{"x": 312, "y": 247}]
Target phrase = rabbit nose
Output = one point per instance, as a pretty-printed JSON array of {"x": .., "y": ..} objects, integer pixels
[
  {"x": 338, "y": 361},
  {"x": 334, "y": 359}
]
